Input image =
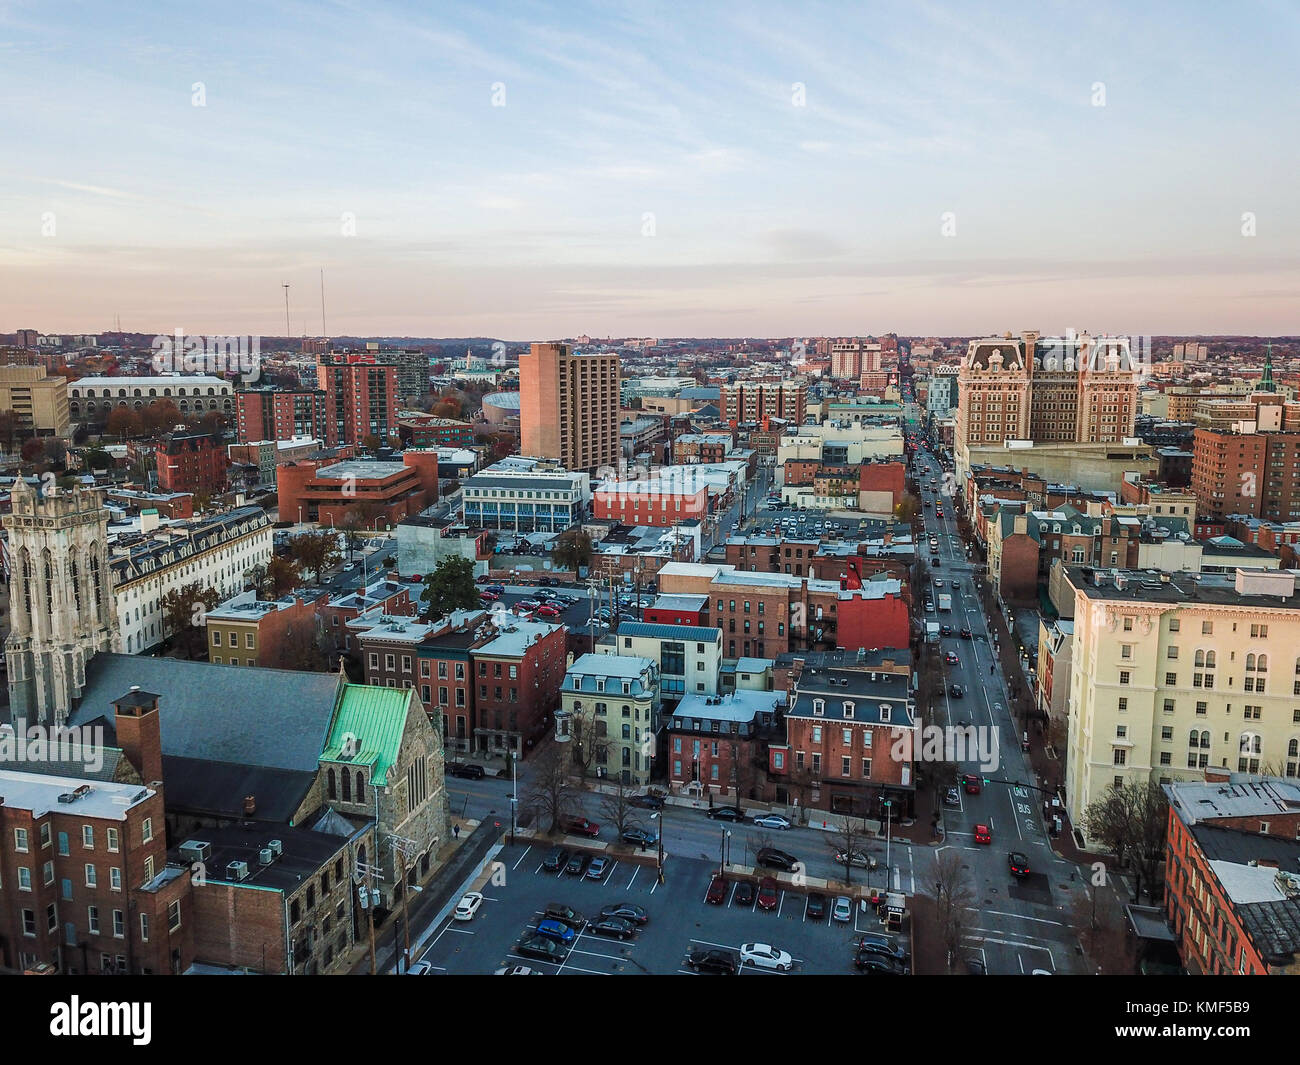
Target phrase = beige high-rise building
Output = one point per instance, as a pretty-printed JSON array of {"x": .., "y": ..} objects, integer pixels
[
  {"x": 1174, "y": 674},
  {"x": 39, "y": 401},
  {"x": 1072, "y": 389},
  {"x": 569, "y": 407}
]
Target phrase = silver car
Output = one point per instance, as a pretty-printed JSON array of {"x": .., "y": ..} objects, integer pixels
[{"x": 841, "y": 909}]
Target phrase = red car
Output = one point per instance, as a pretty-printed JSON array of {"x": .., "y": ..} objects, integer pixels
[
  {"x": 982, "y": 834},
  {"x": 491, "y": 597},
  {"x": 580, "y": 826},
  {"x": 767, "y": 894},
  {"x": 717, "y": 891},
  {"x": 971, "y": 784},
  {"x": 547, "y": 611}
]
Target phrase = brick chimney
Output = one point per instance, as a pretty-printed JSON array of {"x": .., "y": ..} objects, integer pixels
[{"x": 139, "y": 733}]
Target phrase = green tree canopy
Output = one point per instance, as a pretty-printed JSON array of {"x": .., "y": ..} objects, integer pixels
[{"x": 450, "y": 587}]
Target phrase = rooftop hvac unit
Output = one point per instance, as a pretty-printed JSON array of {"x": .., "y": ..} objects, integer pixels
[
  {"x": 265, "y": 857},
  {"x": 276, "y": 848},
  {"x": 196, "y": 850},
  {"x": 237, "y": 871}
]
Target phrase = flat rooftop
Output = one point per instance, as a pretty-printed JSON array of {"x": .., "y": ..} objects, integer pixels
[
  {"x": 361, "y": 470},
  {"x": 97, "y": 799}
]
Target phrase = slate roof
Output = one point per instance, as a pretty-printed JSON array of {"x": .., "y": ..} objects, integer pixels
[{"x": 273, "y": 718}]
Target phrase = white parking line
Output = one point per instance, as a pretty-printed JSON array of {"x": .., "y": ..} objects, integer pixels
[
  {"x": 522, "y": 857},
  {"x": 635, "y": 873}
]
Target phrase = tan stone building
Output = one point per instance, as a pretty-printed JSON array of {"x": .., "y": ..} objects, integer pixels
[
  {"x": 40, "y": 402},
  {"x": 569, "y": 407},
  {"x": 1177, "y": 674}
]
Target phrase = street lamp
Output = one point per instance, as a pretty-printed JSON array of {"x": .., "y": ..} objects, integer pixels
[
  {"x": 722, "y": 857},
  {"x": 888, "y": 833}
]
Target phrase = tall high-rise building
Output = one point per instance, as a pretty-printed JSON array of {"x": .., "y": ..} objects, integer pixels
[
  {"x": 1072, "y": 389},
  {"x": 360, "y": 400},
  {"x": 569, "y": 407},
  {"x": 60, "y": 599},
  {"x": 1251, "y": 473},
  {"x": 265, "y": 414}
]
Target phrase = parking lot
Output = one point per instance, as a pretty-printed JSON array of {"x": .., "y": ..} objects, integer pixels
[
  {"x": 815, "y": 525},
  {"x": 680, "y": 921}
]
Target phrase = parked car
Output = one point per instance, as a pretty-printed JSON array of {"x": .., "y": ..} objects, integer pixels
[
  {"x": 766, "y": 956},
  {"x": 842, "y": 909},
  {"x": 717, "y": 893},
  {"x": 775, "y": 859},
  {"x": 467, "y": 770},
  {"x": 556, "y": 930},
  {"x": 626, "y": 911},
  {"x": 727, "y": 813},
  {"x": 721, "y": 962},
  {"x": 555, "y": 859},
  {"x": 744, "y": 894},
  {"x": 881, "y": 944},
  {"x": 547, "y": 582},
  {"x": 858, "y": 859},
  {"x": 646, "y": 802},
  {"x": 640, "y": 836},
  {"x": 541, "y": 947},
  {"x": 577, "y": 864},
  {"x": 580, "y": 826},
  {"x": 877, "y": 965},
  {"x": 497, "y": 588},
  {"x": 468, "y": 906},
  {"x": 771, "y": 821},
  {"x": 1018, "y": 863},
  {"x": 557, "y": 911},
  {"x": 982, "y": 834},
  {"x": 518, "y": 970},
  {"x": 420, "y": 968},
  {"x": 599, "y": 866},
  {"x": 549, "y": 612},
  {"x": 613, "y": 926},
  {"x": 816, "y": 908},
  {"x": 767, "y": 894}
]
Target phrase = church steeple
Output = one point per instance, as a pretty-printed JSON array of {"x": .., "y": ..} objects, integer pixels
[{"x": 1266, "y": 382}]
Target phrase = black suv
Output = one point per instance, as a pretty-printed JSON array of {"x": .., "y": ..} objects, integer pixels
[
  {"x": 713, "y": 961},
  {"x": 775, "y": 859},
  {"x": 466, "y": 770},
  {"x": 555, "y": 859},
  {"x": 557, "y": 911}
]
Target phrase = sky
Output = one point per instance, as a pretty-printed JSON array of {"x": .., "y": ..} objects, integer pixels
[{"x": 535, "y": 171}]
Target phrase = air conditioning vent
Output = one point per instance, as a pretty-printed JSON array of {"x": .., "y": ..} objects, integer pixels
[
  {"x": 196, "y": 850},
  {"x": 237, "y": 871}
]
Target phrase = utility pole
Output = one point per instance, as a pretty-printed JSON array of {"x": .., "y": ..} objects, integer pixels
[
  {"x": 400, "y": 845},
  {"x": 285, "y": 285},
  {"x": 369, "y": 897}
]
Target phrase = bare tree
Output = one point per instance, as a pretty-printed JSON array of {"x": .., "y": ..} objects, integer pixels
[
  {"x": 955, "y": 895},
  {"x": 550, "y": 795},
  {"x": 1106, "y": 944},
  {"x": 589, "y": 742},
  {"x": 848, "y": 841},
  {"x": 616, "y": 808}
]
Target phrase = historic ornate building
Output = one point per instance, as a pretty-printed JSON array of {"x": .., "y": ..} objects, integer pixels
[{"x": 61, "y": 599}]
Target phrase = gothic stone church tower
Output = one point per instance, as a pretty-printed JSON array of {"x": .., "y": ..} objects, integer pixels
[{"x": 60, "y": 599}]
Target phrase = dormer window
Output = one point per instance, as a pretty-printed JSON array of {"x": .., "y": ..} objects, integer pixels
[
  {"x": 848, "y": 709},
  {"x": 819, "y": 707},
  {"x": 884, "y": 713}
]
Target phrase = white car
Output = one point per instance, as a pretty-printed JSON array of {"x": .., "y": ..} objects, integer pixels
[
  {"x": 765, "y": 956},
  {"x": 772, "y": 821},
  {"x": 842, "y": 909},
  {"x": 468, "y": 906}
]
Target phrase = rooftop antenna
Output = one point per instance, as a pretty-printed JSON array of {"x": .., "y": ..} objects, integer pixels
[
  {"x": 322, "y": 304},
  {"x": 287, "y": 331}
]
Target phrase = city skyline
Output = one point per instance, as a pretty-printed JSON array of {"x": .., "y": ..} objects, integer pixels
[{"x": 725, "y": 173}]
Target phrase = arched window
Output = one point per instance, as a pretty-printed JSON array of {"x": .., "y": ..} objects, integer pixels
[
  {"x": 819, "y": 706},
  {"x": 1200, "y": 660},
  {"x": 347, "y": 786},
  {"x": 1261, "y": 664},
  {"x": 1293, "y": 748},
  {"x": 76, "y": 585},
  {"x": 1209, "y": 659},
  {"x": 1205, "y": 739},
  {"x": 47, "y": 571},
  {"x": 1250, "y": 663},
  {"x": 330, "y": 784},
  {"x": 361, "y": 787},
  {"x": 27, "y": 581},
  {"x": 138, "y": 392},
  {"x": 1249, "y": 743},
  {"x": 95, "y": 582}
]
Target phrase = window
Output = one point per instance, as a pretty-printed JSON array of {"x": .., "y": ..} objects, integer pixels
[
  {"x": 144, "y": 927},
  {"x": 45, "y": 835},
  {"x": 847, "y": 737},
  {"x": 47, "y": 872},
  {"x": 819, "y": 707},
  {"x": 1123, "y": 705},
  {"x": 817, "y": 734},
  {"x": 112, "y": 839},
  {"x": 1126, "y": 650},
  {"x": 1120, "y": 756},
  {"x": 20, "y": 840},
  {"x": 1166, "y": 734},
  {"x": 1123, "y": 676},
  {"x": 115, "y": 879},
  {"x": 1121, "y": 732},
  {"x": 24, "y": 878},
  {"x": 146, "y": 830},
  {"x": 1201, "y": 709},
  {"x": 29, "y": 923},
  {"x": 1171, "y": 680},
  {"x": 1172, "y": 651},
  {"x": 88, "y": 836},
  {"x": 92, "y": 920},
  {"x": 119, "y": 924},
  {"x": 92, "y": 880},
  {"x": 174, "y": 915},
  {"x": 1207, "y": 628},
  {"x": 1128, "y": 624},
  {"x": 844, "y": 766},
  {"x": 1173, "y": 625}
]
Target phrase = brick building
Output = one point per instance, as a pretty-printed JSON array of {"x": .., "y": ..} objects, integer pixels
[
  {"x": 678, "y": 610},
  {"x": 360, "y": 400},
  {"x": 713, "y": 742},
  {"x": 273, "y": 634},
  {"x": 265, "y": 414},
  {"x": 324, "y": 491},
  {"x": 1256, "y": 474},
  {"x": 191, "y": 461},
  {"x": 518, "y": 673}
]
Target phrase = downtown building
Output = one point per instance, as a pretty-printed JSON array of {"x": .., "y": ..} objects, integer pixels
[
  {"x": 1175, "y": 677},
  {"x": 266, "y": 414},
  {"x": 360, "y": 400},
  {"x": 92, "y": 399},
  {"x": 569, "y": 407},
  {"x": 1077, "y": 390},
  {"x": 755, "y": 402}
]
